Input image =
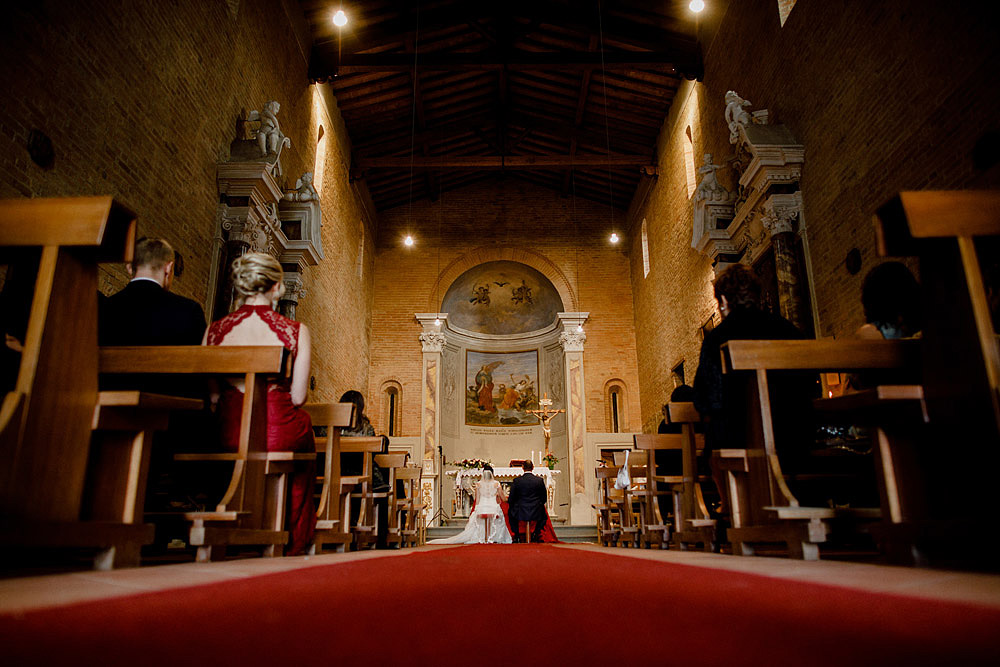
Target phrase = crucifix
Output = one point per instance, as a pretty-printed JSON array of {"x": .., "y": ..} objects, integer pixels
[{"x": 545, "y": 415}]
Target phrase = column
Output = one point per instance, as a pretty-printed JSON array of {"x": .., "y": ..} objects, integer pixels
[
  {"x": 572, "y": 339},
  {"x": 432, "y": 342},
  {"x": 780, "y": 213}
]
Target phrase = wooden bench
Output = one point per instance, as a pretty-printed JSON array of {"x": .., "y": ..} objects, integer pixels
[
  {"x": 124, "y": 423},
  {"x": 392, "y": 462},
  {"x": 45, "y": 422},
  {"x": 630, "y": 500},
  {"x": 246, "y": 514},
  {"x": 358, "y": 488},
  {"x": 331, "y": 525},
  {"x": 411, "y": 506},
  {"x": 763, "y": 508},
  {"x": 695, "y": 527},
  {"x": 655, "y": 528},
  {"x": 946, "y": 494},
  {"x": 608, "y": 513}
]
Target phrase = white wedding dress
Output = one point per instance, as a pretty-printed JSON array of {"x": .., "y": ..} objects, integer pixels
[{"x": 487, "y": 505}]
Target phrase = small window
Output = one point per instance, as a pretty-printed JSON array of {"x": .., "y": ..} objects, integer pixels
[
  {"x": 361, "y": 251},
  {"x": 689, "y": 171},
  {"x": 617, "y": 420},
  {"x": 677, "y": 373},
  {"x": 645, "y": 250},
  {"x": 392, "y": 408}
]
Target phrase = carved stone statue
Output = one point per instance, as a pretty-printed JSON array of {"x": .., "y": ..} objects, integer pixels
[
  {"x": 736, "y": 115},
  {"x": 709, "y": 189},
  {"x": 269, "y": 136},
  {"x": 304, "y": 190}
]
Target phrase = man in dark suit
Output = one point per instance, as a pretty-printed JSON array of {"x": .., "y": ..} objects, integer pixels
[
  {"x": 526, "y": 502},
  {"x": 146, "y": 312}
]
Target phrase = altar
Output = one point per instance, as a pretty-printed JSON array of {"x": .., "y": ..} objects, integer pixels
[{"x": 465, "y": 479}]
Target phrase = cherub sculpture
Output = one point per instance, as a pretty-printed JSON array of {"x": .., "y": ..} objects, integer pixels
[
  {"x": 269, "y": 136},
  {"x": 709, "y": 189},
  {"x": 736, "y": 115},
  {"x": 304, "y": 190}
]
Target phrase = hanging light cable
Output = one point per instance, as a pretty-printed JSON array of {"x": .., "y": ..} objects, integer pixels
[
  {"x": 607, "y": 131},
  {"x": 413, "y": 126}
]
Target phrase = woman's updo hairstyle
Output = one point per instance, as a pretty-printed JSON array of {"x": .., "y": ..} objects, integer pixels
[{"x": 255, "y": 273}]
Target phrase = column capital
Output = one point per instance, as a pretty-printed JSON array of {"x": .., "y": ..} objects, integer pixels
[{"x": 572, "y": 337}]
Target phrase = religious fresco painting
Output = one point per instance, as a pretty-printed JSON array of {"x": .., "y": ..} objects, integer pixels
[
  {"x": 500, "y": 388},
  {"x": 500, "y": 298}
]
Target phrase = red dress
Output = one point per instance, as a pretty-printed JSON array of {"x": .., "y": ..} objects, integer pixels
[{"x": 289, "y": 428}]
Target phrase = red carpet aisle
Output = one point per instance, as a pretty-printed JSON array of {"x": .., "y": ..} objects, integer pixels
[{"x": 503, "y": 605}]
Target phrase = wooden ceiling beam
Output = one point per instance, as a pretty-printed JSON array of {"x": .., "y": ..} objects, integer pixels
[
  {"x": 325, "y": 64},
  {"x": 438, "y": 162}
]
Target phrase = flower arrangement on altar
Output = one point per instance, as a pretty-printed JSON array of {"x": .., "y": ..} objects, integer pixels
[
  {"x": 550, "y": 460},
  {"x": 471, "y": 463}
]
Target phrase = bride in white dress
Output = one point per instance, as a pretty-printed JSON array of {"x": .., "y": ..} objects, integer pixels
[{"x": 486, "y": 525}]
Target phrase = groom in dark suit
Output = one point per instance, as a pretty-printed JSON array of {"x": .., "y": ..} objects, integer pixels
[
  {"x": 146, "y": 312},
  {"x": 526, "y": 502}
]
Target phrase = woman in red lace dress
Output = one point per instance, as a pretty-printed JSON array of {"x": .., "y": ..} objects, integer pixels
[{"x": 257, "y": 279}]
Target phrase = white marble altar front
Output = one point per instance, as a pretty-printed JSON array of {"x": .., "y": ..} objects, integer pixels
[{"x": 465, "y": 478}]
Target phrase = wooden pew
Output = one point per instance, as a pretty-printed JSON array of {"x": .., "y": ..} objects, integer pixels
[
  {"x": 124, "y": 422},
  {"x": 694, "y": 526},
  {"x": 655, "y": 528},
  {"x": 763, "y": 507},
  {"x": 331, "y": 527},
  {"x": 393, "y": 462},
  {"x": 243, "y": 516},
  {"x": 45, "y": 422},
  {"x": 410, "y": 506},
  {"x": 960, "y": 363},
  {"x": 359, "y": 488},
  {"x": 629, "y": 502},
  {"x": 608, "y": 513}
]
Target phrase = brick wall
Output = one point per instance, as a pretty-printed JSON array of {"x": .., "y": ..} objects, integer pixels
[
  {"x": 501, "y": 213},
  {"x": 885, "y": 96},
  {"x": 140, "y": 101}
]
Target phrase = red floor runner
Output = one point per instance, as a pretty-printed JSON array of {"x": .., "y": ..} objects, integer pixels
[{"x": 502, "y": 605}]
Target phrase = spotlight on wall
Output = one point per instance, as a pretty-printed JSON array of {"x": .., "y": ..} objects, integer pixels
[
  {"x": 579, "y": 328},
  {"x": 340, "y": 18},
  {"x": 614, "y": 237},
  {"x": 696, "y": 6},
  {"x": 408, "y": 241}
]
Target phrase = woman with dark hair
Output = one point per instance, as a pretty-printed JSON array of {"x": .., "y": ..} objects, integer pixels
[
  {"x": 353, "y": 464},
  {"x": 890, "y": 296},
  {"x": 722, "y": 401},
  {"x": 486, "y": 524}
]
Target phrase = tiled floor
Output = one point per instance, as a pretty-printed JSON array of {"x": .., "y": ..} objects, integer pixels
[{"x": 25, "y": 593}]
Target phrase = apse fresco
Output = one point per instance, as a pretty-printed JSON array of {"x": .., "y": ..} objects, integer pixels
[
  {"x": 501, "y": 298},
  {"x": 500, "y": 388}
]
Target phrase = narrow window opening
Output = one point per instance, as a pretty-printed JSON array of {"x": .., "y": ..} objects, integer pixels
[
  {"x": 615, "y": 428},
  {"x": 645, "y": 250},
  {"x": 392, "y": 413},
  {"x": 689, "y": 162}
]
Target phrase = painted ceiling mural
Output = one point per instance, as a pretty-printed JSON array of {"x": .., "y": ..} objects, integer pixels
[{"x": 502, "y": 298}]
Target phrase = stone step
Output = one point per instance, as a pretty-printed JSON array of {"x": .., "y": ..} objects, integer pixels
[{"x": 573, "y": 534}]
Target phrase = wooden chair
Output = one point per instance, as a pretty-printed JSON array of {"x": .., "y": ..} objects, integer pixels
[
  {"x": 655, "y": 527},
  {"x": 944, "y": 497},
  {"x": 118, "y": 463},
  {"x": 606, "y": 507},
  {"x": 246, "y": 514},
  {"x": 392, "y": 462},
  {"x": 693, "y": 526},
  {"x": 358, "y": 488},
  {"x": 45, "y": 422},
  {"x": 629, "y": 502},
  {"x": 410, "y": 506},
  {"x": 331, "y": 528},
  {"x": 763, "y": 508}
]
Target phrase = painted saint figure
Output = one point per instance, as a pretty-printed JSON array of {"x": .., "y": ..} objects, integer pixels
[{"x": 484, "y": 387}]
